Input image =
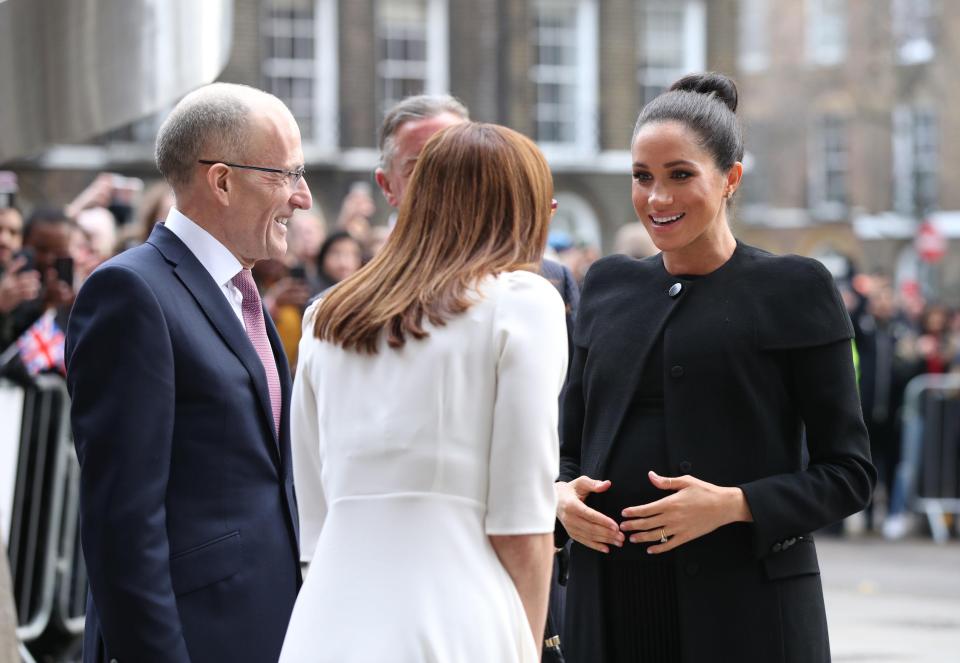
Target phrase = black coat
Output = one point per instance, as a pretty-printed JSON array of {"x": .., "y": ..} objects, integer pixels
[{"x": 752, "y": 353}]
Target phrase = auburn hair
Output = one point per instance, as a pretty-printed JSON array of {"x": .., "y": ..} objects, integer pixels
[{"x": 478, "y": 203}]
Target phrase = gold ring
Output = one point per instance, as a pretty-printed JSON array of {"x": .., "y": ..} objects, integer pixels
[{"x": 663, "y": 536}]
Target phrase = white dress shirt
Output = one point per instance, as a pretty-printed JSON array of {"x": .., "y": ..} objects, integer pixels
[{"x": 217, "y": 259}]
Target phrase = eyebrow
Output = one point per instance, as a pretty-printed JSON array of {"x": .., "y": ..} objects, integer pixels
[{"x": 669, "y": 164}]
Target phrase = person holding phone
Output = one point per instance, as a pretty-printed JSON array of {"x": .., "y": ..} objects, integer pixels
[
  {"x": 43, "y": 272},
  {"x": 19, "y": 282}
]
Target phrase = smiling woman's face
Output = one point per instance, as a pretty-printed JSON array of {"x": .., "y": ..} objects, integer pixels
[{"x": 678, "y": 191}]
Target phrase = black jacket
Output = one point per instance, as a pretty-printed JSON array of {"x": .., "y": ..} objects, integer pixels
[{"x": 753, "y": 352}]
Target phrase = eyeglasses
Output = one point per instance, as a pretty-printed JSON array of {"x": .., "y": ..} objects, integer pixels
[{"x": 293, "y": 175}]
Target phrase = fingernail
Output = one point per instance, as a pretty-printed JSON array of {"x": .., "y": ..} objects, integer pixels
[{"x": 651, "y": 551}]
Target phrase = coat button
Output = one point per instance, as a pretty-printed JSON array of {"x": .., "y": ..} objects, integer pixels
[
  {"x": 685, "y": 466},
  {"x": 676, "y": 371},
  {"x": 692, "y": 568},
  {"x": 675, "y": 289}
]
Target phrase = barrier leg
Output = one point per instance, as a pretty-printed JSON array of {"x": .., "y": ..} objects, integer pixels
[{"x": 938, "y": 528}]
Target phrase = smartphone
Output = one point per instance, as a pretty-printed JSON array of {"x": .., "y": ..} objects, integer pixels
[
  {"x": 298, "y": 272},
  {"x": 64, "y": 267},
  {"x": 26, "y": 254}
]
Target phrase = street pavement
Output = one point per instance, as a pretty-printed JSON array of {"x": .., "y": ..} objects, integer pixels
[{"x": 896, "y": 602}]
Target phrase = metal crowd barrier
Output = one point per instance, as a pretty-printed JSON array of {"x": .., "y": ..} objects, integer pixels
[
  {"x": 929, "y": 471},
  {"x": 46, "y": 564}
]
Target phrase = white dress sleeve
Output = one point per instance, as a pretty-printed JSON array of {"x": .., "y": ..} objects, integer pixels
[
  {"x": 305, "y": 443},
  {"x": 530, "y": 346}
]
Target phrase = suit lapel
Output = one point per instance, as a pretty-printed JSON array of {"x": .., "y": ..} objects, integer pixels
[
  {"x": 655, "y": 305},
  {"x": 209, "y": 297}
]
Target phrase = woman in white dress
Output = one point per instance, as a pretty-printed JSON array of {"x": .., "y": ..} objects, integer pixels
[{"x": 425, "y": 423}]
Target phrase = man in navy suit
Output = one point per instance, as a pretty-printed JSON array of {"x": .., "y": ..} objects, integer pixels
[{"x": 180, "y": 395}]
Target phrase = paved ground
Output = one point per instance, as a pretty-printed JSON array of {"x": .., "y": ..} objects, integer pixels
[{"x": 896, "y": 602}]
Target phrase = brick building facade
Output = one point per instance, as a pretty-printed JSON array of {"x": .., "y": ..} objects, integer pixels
[{"x": 844, "y": 102}]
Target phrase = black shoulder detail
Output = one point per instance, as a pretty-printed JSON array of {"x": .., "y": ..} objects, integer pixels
[
  {"x": 798, "y": 304},
  {"x": 613, "y": 283}
]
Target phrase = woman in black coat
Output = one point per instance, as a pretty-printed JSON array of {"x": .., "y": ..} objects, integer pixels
[{"x": 711, "y": 420}]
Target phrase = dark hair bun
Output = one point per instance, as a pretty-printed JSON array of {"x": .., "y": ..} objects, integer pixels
[{"x": 710, "y": 82}]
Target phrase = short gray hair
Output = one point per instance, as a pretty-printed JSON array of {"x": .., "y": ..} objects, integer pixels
[
  {"x": 211, "y": 122},
  {"x": 418, "y": 107}
]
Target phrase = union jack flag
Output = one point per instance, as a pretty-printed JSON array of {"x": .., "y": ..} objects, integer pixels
[{"x": 41, "y": 346}]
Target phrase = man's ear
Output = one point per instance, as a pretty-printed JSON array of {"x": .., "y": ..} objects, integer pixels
[
  {"x": 219, "y": 183},
  {"x": 384, "y": 184}
]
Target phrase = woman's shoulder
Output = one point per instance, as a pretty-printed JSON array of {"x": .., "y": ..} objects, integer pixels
[
  {"x": 616, "y": 266},
  {"x": 789, "y": 269},
  {"x": 797, "y": 303},
  {"x": 520, "y": 283},
  {"x": 524, "y": 292}
]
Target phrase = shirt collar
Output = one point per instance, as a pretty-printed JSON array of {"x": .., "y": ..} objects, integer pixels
[{"x": 214, "y": 256}]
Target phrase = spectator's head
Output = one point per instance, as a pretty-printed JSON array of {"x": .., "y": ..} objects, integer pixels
[
  {"x": 378, "y": 238},
  {"x": 633, "y": 240},
  {"x": 306, "y": 232},
  {"x": 11, "y": 234},
  {"x": 233, "y": 157},
  {"x": 47, "y": 234},
  {"x": 687, "y": 150},
  {"x": 935, "y": 320},
  {"x": 882, "y": 301},
  {"x": 406, "y": 129},
  {"x": 340, "y": 256}
]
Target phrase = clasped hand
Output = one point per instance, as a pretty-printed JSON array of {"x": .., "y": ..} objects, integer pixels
[{"x": 693, "y": 509}]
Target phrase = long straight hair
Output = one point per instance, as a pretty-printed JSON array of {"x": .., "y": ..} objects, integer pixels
[{"x": 478, "y": 203}]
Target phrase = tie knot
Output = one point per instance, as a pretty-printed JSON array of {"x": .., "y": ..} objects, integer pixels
[{"x": 244, "y": 282}]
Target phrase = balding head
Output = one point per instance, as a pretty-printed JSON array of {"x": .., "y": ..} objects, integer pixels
[{"x": 212, "y": 122}]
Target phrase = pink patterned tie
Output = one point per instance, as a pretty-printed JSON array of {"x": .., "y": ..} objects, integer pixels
[{"x": 257, "y": 332}]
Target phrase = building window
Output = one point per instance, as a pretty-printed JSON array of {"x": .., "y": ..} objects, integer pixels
[
  {"x": 300, "y": 63},
  {"x": 826, "y": 31},
  {"x": 412, "y": 49},
  {"x": 915, "y": 161},
  {"x": 564, "y": 73},
  {"x": 754, "y": 35},
  {"x": 912, "y": 23},
  {"x": 829, "y": 159},
  {"x": 673, "y": 37}
]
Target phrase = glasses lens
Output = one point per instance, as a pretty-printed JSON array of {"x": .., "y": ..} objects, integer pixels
[{"x": 297, "y": 175}]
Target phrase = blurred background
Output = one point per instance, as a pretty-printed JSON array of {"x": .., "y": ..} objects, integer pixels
[{"x": 852, "y": 154}]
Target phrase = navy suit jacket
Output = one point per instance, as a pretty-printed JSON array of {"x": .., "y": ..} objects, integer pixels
[
  {"x": 187, "y": 516},
  {"x": 562, "y": 279}
]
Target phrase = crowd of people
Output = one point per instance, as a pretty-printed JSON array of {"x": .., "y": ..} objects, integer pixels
[{"x": 424, "y": 387}]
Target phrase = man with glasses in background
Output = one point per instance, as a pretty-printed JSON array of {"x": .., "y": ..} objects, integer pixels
[{"x": 180, "y": 396}]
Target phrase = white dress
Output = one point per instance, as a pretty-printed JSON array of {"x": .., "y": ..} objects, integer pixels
[{"x": 405, "y": 462}]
